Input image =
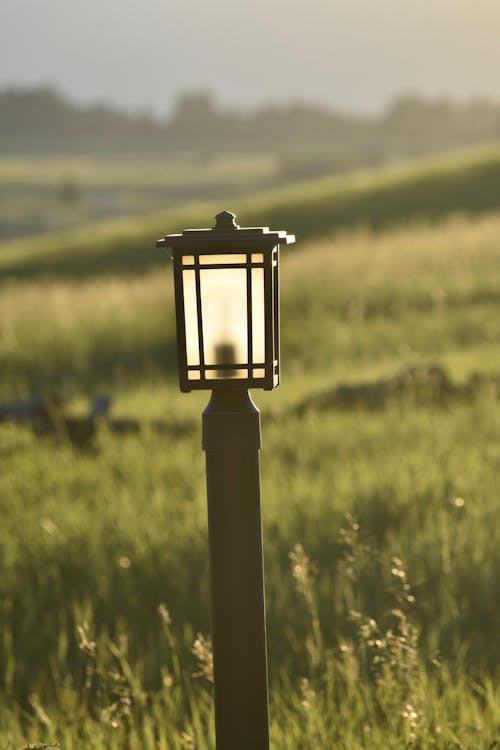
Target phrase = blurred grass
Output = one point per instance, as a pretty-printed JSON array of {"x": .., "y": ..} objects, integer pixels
[
  {"x": 467, "y": 182},
  {"x": 405, "y": 495},
  {"x": 106, "y": 538},
  {"x": 360, "y": 304},
  {"x": 47, "y": 194},
  {"x": 182, "y": 171}
]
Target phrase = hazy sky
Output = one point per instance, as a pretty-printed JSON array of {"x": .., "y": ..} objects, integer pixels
[{"x": 353, "y": 54}]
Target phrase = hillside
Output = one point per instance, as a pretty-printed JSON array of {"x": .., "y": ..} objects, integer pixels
[{"x": 467, "y": 182}]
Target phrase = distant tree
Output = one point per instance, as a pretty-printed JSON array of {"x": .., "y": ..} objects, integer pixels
[{"x": 309, "y": 138}]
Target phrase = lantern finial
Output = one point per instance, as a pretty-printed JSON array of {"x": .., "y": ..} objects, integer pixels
[{"x": 225, "y": 220}]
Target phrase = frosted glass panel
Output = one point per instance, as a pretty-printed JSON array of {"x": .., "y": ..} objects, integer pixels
[
  {"x": 191, "y": 318},
  {"x": 224, "y": 315},
  {"x": 217, "y": 375},
  {"x": 258, "y": 327},
  {"x": 226, "y": 258}
]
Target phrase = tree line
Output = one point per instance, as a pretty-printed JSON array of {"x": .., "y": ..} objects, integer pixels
[{"x": 306, "y": 136}]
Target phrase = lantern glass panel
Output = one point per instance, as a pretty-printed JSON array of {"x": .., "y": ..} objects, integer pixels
[
  {"x": 191, "y": 318},
  {"x": 224, "y": 319},
  {"x": 258, "y": 321},
  {"x": 209, "y": 260}
]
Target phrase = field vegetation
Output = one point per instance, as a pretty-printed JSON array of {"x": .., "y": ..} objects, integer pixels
[
  {"x": 465, "y": 182},
  {"x": 380, "y": 479},
  {"x": 41, "y": 194}
]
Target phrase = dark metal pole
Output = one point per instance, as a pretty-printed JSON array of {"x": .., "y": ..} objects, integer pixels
[{"x": 231, "y": 439}]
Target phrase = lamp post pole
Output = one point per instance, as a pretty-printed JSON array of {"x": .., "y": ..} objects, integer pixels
[
  {"x": 231, "y": 440},
  {"x": 227, "y": 309}
]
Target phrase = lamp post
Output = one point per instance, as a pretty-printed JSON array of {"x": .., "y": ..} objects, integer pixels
[{"x": 227, "y": 309}]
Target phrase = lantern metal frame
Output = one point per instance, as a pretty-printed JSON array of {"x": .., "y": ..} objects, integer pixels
[{"x": 260, "y": 246}]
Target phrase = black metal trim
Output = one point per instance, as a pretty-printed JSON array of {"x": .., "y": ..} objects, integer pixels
[
  {"x": 271, "y": 366},
  {"x": 181, "y": 325},
  {"x": 229, "y": 384},
  {"x": 249, "y": 315},
  {"x": 276, "y": 313},
  {"x": 215, "y": 266},
  {"x": 235, "y": 366},
  {"x": 268, "y": 321}
]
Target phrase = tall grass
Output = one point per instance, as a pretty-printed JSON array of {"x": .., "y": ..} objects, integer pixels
[
  {"x": 357, "y": 306},
  {"x": 381, "y": 547}
]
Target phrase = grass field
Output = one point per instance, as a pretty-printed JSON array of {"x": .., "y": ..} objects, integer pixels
[
  {"x": 466, "y": 182},
  {"x": 381, "y": 543},
  {"x": 49, "y": 194}
]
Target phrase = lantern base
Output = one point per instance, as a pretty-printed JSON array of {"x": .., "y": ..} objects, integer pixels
[
  {"x": 231, "y": 422},
  {"x": 235, "y": 384}
]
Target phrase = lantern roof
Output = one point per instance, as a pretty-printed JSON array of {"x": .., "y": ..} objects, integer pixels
[{"x": 226, "y": 235}]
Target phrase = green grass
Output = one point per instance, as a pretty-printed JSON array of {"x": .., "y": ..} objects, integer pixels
[
  {"x": 107, "y": 538},
  {"x": 363, "y": 304},
  {"x": 47, "y": 194},
  {"x": 466, "y": 182},
  {"x": 183, "y": 171},
  {"x": 383, "y": 627}
]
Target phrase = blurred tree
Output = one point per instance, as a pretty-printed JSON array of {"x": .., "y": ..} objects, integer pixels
[{"x": 306, "y": 136}]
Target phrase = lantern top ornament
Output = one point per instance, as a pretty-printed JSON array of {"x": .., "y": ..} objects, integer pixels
[{"x": 226, "y": 236}]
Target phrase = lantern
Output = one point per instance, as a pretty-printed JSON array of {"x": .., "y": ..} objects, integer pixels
[{"x": 227, "y": 305}]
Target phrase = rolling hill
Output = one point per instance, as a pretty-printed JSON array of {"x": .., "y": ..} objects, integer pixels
[{"x": 465, "y": 182}]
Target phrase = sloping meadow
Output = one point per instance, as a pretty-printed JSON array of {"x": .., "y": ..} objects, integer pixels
[{"x": 426, "y": 189}]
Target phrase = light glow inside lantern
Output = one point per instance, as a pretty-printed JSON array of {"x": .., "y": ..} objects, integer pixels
[{"x": 231, "y": 340}]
